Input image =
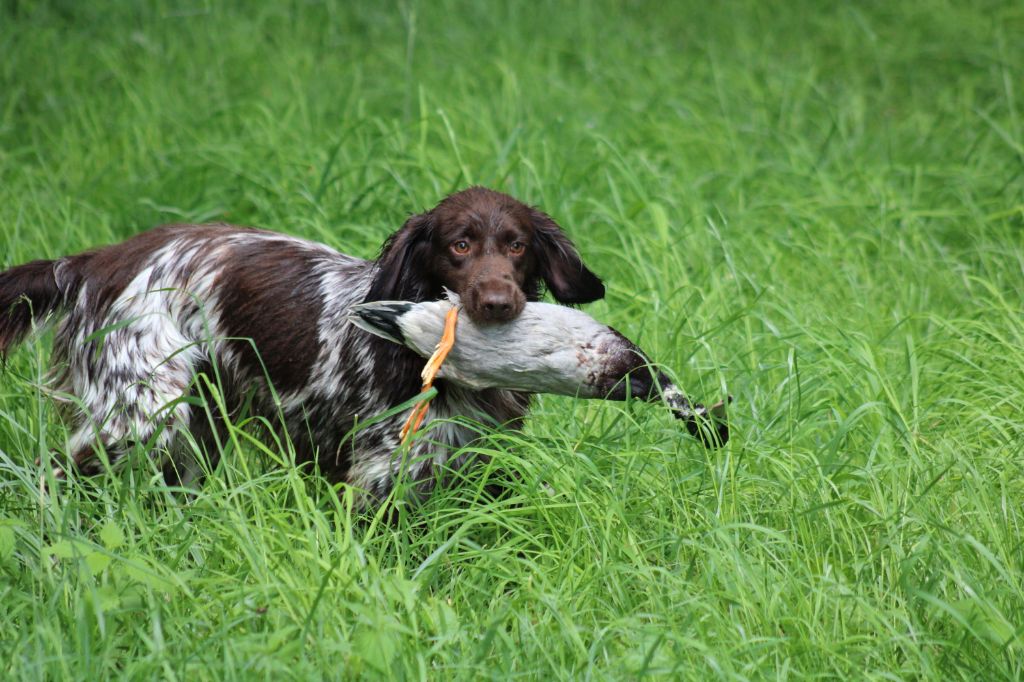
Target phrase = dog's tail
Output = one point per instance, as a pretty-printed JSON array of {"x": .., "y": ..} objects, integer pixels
[{"x": 28, "y": 293}]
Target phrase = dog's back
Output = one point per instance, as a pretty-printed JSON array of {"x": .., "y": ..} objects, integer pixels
[{"x": 30, "y": 292}]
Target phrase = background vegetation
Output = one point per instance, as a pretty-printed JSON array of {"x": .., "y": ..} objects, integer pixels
[{"x": 816, "y": 207}]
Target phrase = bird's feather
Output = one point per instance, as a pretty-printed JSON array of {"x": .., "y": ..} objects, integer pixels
[{"x": 380, "y": 318}]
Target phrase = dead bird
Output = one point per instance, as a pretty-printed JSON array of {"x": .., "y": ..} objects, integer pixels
[{"x": 546, "y": 349}]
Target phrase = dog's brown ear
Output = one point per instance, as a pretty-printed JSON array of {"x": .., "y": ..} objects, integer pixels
[
  {"x": 560, "y": 265},
  {"x": 403, "y": 271}
]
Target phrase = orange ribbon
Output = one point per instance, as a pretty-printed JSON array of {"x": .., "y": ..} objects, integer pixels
[{"x": 429, "y": 373}]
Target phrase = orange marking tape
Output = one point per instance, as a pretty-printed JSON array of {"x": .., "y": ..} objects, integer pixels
[{"x": 429, "y": 373}]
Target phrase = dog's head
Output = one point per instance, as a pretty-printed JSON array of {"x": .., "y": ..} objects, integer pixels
[{"x": 490, "y": 249}]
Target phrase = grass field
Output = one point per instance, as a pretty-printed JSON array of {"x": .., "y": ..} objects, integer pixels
[{"x": 816, "y": 207}]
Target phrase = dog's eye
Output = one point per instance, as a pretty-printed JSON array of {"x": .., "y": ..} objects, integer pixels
[
  {"x": 516, "y": 248},
  {"x": 461, "y": 247}
]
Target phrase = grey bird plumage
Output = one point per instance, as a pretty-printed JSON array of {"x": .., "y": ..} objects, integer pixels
[{"x": 547, "y": 349}]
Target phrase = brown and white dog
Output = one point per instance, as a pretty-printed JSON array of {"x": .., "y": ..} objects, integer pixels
[{"x": 269, "y": 312}]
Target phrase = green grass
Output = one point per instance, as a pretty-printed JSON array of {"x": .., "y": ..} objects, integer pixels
[{"x": 816, "y": 207}]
